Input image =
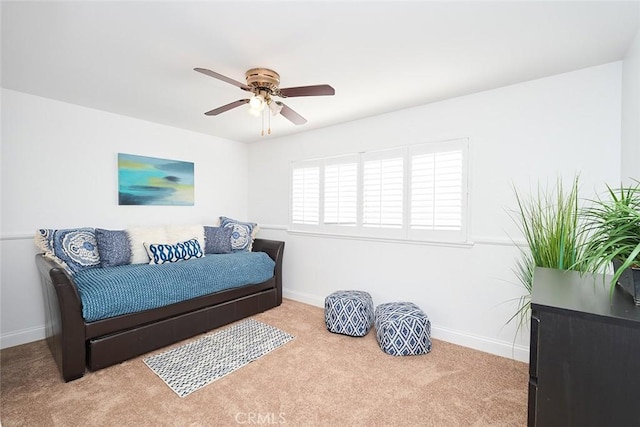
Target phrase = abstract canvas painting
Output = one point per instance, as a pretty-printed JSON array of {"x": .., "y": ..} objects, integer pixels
[{"x": 152, "y": 181}]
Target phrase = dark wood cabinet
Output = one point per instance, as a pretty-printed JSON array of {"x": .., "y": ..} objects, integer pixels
[{"x": 585, "y": 353}]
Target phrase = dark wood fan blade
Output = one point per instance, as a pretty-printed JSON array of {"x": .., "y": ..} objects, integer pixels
[
  {"x": 291, "y": 115},
  {"x": 223, "y": 78},
  {"x": 317, "y": 90},
  {"x": 227, "y": 107}
]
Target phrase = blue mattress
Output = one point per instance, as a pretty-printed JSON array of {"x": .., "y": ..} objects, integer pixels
[{"x": 114, "y": 291}]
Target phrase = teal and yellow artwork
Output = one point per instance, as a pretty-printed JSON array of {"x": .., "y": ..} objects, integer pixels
[{"x": 153, "y": 181}]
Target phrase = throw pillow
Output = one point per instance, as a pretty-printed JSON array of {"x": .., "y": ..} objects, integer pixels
[
  {"x": 113, "y": 247},
  {"x": 182, "y": 233},
  {"x": 44, "y": 241},
  {"x": 217, "y": 240},
  {"x": 139, "y": 235},
  {"x": 243, "y": 233},
  {"x": 161, "y": 253},
  {"x": 74, "y": 248}
]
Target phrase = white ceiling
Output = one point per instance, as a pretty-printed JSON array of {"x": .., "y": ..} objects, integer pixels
[{"x": 137, "y": 58}]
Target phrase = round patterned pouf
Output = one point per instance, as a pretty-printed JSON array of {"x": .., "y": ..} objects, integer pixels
[
  {"x": 349, "y": 313},
  {"x": 402, "y": 329}
]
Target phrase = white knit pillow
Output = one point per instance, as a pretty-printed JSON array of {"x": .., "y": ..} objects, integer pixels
[
  {"x": 139, "y": 235},
  {"x": 182, "y": 233}
]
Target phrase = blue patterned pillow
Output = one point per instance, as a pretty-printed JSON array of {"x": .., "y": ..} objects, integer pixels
[
  {"x": 44, "y": 240},
  {"x": 217, "y": 240},
  {"x": 242, "y": 234},
  {"x": 161, "y": 253},
  {"x": 74, "y": 248},
  {"x": 113, "y": 247}
]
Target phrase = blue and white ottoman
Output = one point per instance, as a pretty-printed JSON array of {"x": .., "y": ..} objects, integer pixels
[
  {"x": 402, "y": 329},
  {"x": 349, "y": 313}
]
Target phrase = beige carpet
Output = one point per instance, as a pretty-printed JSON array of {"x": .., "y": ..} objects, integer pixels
[{"x": 318, "y": 379}]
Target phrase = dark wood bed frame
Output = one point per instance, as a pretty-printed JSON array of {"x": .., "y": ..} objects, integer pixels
[{"x": 76, "y": 344}]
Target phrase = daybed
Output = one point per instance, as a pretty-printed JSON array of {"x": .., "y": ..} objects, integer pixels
[{"x": 76, "y": 343}]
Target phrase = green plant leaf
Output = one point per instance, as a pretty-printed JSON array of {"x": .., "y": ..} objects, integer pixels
[
  {"x": 612, "y": 231},
  {"x": 550, "y": 223}
]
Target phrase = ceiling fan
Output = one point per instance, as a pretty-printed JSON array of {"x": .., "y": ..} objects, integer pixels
[{"x": 265, "y": 85}]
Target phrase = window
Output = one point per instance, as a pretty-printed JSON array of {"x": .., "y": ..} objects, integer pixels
[
  {"x": 438, "y": 191},
  {"x": 305, "y": 184},
  {"x": 382, "y": 187},
  {"x": 413, "y": 193},
  {"x": 341, "y": 193}
]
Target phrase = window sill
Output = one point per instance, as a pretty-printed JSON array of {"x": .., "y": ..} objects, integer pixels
[{"x": 467, "y": 244}]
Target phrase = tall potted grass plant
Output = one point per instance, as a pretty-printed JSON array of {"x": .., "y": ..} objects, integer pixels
[{"x": 550, "y": 223}]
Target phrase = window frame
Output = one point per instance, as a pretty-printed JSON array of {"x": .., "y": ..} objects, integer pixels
[{"x": 406, "y": 232}]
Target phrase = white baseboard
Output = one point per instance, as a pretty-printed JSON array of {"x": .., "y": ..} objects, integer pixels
[
  {"x": 23, "y": 336},
  {"x": 499, "y": 348},
  {"x": 303, "y": 297}
]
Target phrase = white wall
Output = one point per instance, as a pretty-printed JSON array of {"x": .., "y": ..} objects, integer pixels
[
  {"x": 631, "y": 113},
  {"x": 59, "y": 170},
  {"x": 521, "y": 135}
]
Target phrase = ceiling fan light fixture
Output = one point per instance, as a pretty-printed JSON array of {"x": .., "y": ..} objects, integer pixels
[
  {"x": 275, "y": 108},
  {"x": 256, "y": 103},
  {"x": 254, "y": 112},
  {"x": 264, "y": 84}
]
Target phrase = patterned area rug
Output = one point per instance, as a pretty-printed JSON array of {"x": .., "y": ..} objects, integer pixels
[{"x": 191, "y": 366}]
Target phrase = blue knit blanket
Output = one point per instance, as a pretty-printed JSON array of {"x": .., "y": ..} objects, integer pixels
[{"x": 114, "y": 291}]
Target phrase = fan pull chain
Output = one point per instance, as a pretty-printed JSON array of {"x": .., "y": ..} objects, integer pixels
[
  {"x": 269, "y": 130},
  {"x": 262, "y": 120}
]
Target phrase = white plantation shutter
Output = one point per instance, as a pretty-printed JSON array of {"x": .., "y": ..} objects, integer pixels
[
  {"x": 382, "y": 191},
  {"x": 436, "y": 191},
  {"x": 341, "y": 193},
  {"x": 305, "y": 195},
  {"x": 417, "y": 192}
]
